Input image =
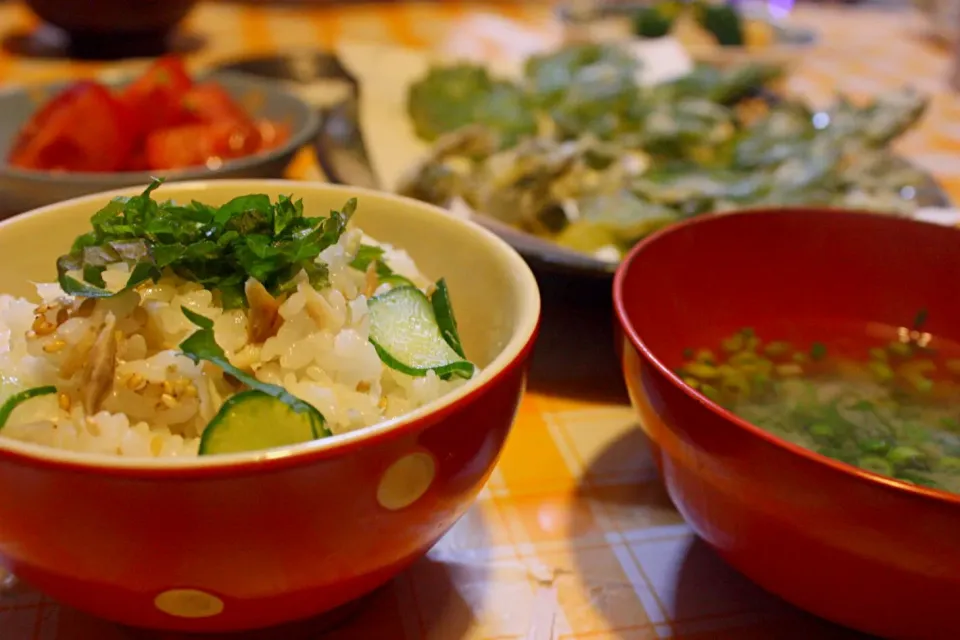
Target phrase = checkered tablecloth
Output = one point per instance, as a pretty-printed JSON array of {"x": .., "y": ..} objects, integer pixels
[{"x": 573, "y": 537}]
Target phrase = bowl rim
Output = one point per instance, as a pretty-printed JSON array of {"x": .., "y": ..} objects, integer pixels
[
  {"x": 623, "y": 317},
  {"x": 511, "y": 355},
  {"x": 109, "y": 179}
]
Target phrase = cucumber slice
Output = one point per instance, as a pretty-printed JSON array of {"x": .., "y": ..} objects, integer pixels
[
  {"x": 202, "y": 345},
  {"x": 447, "y": 322},
  {"x": 396, "y": 280},
  {"x": 17, "y": 399},
  {"x": 404, "y": 331},
  {"x": 255, "y": 421}
]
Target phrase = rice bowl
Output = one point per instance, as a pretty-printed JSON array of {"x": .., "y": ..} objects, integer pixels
[
  {"x": 117, "y": 382},
  {"x": 267, "y": 536}
]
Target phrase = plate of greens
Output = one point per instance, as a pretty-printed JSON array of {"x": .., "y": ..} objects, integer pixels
[
  {"x": 722, "y": 33},
  {"x": 573, "y": 159}
]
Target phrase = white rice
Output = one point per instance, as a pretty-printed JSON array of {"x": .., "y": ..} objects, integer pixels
[{"x": 160, "y": 401}]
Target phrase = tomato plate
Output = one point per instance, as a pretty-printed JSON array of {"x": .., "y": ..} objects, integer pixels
[{"x": 84, "y": 128}]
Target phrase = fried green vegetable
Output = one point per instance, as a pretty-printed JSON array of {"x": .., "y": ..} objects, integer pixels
[
  {"x": 550, "y": 76},
  {"x": 878, "y": 122},
  {"x": 617, "y": 220},
  {"x": 691, "y": 129},
  {"x": 586, "y": 89},
  {"x": 779, "y": 135},
  {"x": 449, "y": 98},
  {"x": 580, "y": 128},
  {"x": 744, "y": 81}
]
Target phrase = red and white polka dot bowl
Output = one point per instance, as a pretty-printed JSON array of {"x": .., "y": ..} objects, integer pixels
[{"x": 252, "y": 540}]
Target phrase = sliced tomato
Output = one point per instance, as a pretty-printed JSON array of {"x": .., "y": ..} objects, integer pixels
[
  {"x": 84, "y": 128},
  {"x": 272, "y": 134},
  {"x": 176, "y": 147},
  {"x": 137, "y": 160},
  {"x": 197, "y": 144},
  {"x": 156, "y": 97},
  {"x": 209, "y": 102}
]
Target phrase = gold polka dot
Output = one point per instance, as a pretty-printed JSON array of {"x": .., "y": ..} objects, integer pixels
[
  {"x": 189, "y": 603},
  {"x": 406, "y": 481}
]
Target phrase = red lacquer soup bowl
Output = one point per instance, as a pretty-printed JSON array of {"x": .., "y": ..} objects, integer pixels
[
  {"x": 239, "y": 541},
  {"x": 857, "y": 548}
]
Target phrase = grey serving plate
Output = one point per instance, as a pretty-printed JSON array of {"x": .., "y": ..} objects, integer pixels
[
  {"x": 21, "y": 190},
  {"x": 341, "y": 150}
]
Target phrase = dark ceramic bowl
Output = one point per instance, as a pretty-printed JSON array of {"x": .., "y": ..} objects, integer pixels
[
  {"x": 93, "y": 24},
  {"x": 21, "y": 189}
]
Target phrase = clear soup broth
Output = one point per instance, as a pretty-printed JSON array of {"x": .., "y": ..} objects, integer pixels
[{"x": 884, "y": 399}]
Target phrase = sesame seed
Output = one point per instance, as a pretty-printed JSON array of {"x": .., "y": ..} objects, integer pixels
[
  {"x": 42, "y": 326},
  {"x": 53, "y": 346},
  {"x": 136, "y": 382}
]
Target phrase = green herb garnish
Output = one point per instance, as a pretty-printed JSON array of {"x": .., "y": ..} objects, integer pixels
[
  {"x": 368, "y": 254},
  {"x": 818, "y": 351},
  {"x": 218, "y": 247},
  {"x": 202, "y": 345}
]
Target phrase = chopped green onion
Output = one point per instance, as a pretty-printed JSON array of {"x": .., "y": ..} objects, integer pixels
[
  {"x": 900, "y": 349},
  {"x": 777, "y": 349},
  {"x": 876, "y": 465},
  {"x": 821, "y": 431},
  {"x": 733, "y": 343},
  {"x": 881, "y": 371},
  {"x": 906, "y": 457},
  {"x": 818, "y": 351}
]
